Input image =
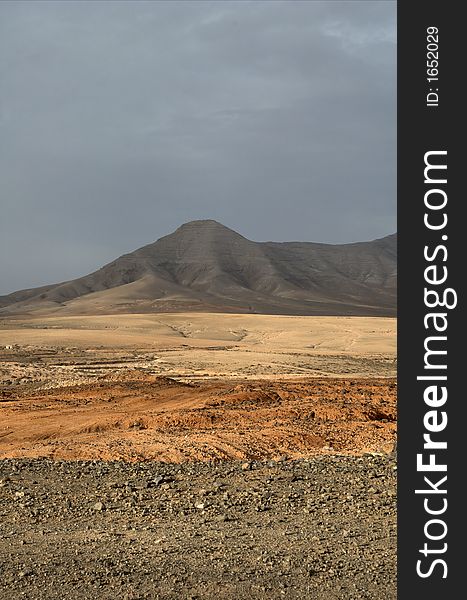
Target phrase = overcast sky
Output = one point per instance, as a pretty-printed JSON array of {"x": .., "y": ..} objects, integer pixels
[{"x": 119, "y": 121}]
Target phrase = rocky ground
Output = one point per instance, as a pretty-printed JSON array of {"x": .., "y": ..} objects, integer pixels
[{"x": 319, "y": 528}]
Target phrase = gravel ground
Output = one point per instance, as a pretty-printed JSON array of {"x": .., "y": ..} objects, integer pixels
[{"x": 323, "y": 528}]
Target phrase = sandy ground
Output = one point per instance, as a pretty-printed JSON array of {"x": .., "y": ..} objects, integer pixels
[
  {"x": 202, "y": 345},
  {"x": 196, "y": 387}
]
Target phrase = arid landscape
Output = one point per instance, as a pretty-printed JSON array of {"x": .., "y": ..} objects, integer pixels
[
  {"x": 198, "y": 300},
  {"x": 206, "y": 417}
]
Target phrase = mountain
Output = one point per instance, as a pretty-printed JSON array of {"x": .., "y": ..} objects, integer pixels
[{"x": 206, "y": 266}]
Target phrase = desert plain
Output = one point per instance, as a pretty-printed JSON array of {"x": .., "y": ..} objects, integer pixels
[{"x": 197, "y": 456}]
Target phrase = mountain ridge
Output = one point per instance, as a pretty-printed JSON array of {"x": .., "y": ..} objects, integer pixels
[{"x": 204, "y": 265}]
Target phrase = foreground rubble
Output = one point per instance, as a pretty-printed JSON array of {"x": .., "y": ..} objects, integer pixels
[{"x": 323, "y": 527}]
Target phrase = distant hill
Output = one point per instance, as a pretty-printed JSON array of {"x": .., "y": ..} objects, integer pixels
[{"x": 206, "y": 266}]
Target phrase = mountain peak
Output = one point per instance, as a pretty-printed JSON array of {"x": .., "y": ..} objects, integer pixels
[
  {"x": 204, "y": 229},
  {"x": 203, "y": 224}
]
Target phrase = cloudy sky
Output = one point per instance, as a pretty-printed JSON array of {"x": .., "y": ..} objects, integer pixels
[{"x": 119, "y": 121}]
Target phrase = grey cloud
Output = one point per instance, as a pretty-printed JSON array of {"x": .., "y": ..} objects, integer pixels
[{"x": 121, "y": 120}]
